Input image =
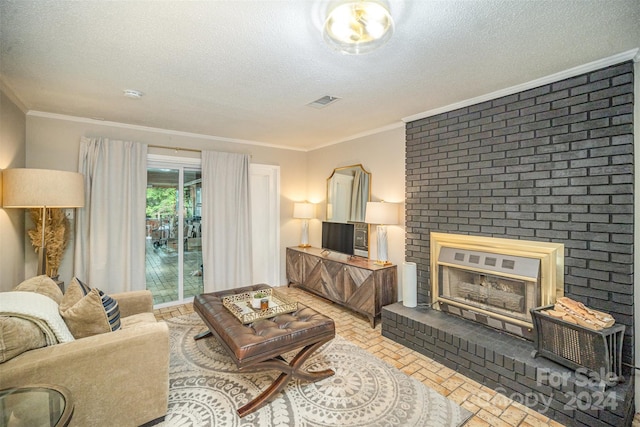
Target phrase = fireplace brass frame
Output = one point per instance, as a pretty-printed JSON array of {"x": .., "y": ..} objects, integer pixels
[{"x": 551, "y": 256}]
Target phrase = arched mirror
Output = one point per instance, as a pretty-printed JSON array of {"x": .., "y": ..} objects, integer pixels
[{"x": 348, "y": 191}]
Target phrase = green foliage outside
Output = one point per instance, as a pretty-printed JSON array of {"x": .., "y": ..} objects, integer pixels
[{"x": 161, "y": 202}]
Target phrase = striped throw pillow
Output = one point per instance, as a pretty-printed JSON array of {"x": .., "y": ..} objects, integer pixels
[
  {"x": 112, "y": 309},
  {"x": 83, "y": 287}
]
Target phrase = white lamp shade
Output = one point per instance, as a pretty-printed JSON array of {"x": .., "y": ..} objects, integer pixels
[
  {"x": 303, "y": 210},
  {"x": 36, "y": 188},
  {"x": 381, "y": 213}
]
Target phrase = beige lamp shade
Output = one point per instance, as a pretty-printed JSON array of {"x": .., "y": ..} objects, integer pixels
[
  {"x": 381, "y": 213},
  {"x": 37, "y": 188},
  {"x": 303, "y": 210}
]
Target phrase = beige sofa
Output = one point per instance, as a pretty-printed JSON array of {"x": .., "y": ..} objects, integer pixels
[{"x": 119, "y": 378}]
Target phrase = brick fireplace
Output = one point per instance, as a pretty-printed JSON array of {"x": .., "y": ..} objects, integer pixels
[
  {"x": 493, "y": 281},
  {"x": 550, "y": 164}
]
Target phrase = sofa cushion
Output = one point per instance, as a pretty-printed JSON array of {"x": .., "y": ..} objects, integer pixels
[
  {"x": 88, "y": 311},
  {"x": 18, "y": 335},
  {"x": 136, "y": 320},
  {"x": 42, "y": 285}
]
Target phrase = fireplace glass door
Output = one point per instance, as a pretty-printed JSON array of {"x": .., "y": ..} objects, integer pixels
[{"x": 493, "y": 293}]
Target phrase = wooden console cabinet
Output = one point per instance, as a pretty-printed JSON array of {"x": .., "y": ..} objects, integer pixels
[{"x": 353, "y": 282}]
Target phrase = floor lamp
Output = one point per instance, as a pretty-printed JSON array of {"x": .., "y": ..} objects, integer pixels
[
  {"x": 382, "y": 214},
  {"x": 305, "y": 212},
  {"x": 42, "y": 189}
]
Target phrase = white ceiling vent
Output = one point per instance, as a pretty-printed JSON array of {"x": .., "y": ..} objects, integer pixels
[
  {"x": 323, "y": 102},
  {"x": 132, "y": 93}
]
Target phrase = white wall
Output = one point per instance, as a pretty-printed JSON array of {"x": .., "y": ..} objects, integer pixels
[
  {"x": 53, "y": 143},
  {"x": 383, "y": 155},
  {"x": 12, "y": 155}
]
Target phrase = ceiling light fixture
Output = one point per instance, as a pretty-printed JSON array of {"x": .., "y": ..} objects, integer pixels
[
  {"x": 133, "y": 94},
  {"x": 357, "y": 27}
]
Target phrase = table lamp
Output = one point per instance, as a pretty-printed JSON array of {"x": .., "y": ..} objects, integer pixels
[
  {"x": 382, "y": 214},
  {"x": 304, "y": 211},
  {"x": 42, "y": 189}
]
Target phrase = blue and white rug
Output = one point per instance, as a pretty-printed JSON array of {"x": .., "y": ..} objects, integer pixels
[{"x": 205, "y": 389}]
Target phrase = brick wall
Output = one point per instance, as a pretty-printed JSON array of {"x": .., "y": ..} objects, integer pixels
[{"x": 554, "y": 163}]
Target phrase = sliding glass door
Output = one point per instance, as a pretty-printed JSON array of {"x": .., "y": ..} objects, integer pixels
[{"x": 173, "y": 241}]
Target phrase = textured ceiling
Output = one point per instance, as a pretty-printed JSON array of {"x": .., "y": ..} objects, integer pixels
[{"x": 245, "y": 70}]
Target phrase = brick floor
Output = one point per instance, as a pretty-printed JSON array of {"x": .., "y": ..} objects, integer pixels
[{"x": 490, "y": 408}]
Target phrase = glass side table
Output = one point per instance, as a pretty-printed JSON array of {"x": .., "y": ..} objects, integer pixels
[{"x": 35, "y": 405}]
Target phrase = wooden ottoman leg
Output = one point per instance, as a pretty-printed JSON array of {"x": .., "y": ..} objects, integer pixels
[
  {"x": 202, "y": 335},
  {"x": 289, "y": 371}
]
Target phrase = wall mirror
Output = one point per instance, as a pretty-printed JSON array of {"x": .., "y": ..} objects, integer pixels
[{"x": 348, "y": 191}]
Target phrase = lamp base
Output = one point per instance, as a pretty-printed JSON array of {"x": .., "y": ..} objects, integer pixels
[
  {"x": 383, "y": 263},
  {"x": 304, "y": 245},
  {"x": 42, "y": 261}
]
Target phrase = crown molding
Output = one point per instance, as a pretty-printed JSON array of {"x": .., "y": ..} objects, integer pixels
[
  {"x": 633, "y": 54},
  {"x": 44, "y": 114},
  {"x": 360, "y": 135},
  {"x": 9, "y": 92}
]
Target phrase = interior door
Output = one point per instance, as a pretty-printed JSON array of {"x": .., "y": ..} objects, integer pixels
[{"x": 265, "y": 223}]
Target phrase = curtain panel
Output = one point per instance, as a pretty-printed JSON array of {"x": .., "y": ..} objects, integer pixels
[
  {"x": 359, "y": 196},
  {"x": 226, "y": 226},
  {"x": 111, "y": 231}
]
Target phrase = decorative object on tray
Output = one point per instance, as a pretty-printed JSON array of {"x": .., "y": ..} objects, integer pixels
[
  {"x": 259, "y": 299},
  {"x": 241, "y": 305},
  {"x": 577, "y": 313}
]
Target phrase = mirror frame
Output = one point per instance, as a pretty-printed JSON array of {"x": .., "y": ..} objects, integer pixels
[{"x": 336, "y": 170}]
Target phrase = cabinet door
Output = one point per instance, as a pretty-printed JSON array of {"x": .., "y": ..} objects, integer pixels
[
  {"x": 295, "y": 266},
  {"x": 386, "y": 287},
  {"x": 313, "y": 278},
  {"x": 331, "y": 273},
  {"x": 310, "y": 263},
  {"x": 358, "y": 288}
]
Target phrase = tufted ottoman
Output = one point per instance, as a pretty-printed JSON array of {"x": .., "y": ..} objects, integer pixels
[{"x": 260, "y": 345}]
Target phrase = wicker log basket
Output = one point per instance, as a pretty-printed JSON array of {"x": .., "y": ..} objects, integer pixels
[{"x": 580, "y": 342}]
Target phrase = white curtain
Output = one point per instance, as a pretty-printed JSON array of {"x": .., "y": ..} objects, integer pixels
[
  {"x": 226, "y": 221},
  {"x": 359, "y": 196},
  {"x": 110, "y": 229}
]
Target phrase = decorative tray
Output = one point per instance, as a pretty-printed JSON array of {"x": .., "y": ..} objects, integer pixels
[{"x": 240, "y": 306}]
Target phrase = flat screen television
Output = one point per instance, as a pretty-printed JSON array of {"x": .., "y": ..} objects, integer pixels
[{"x": 338, "y": 237}]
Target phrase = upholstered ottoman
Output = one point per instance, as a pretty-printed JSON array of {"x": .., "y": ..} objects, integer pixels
[{"x": 260, "y": 345}]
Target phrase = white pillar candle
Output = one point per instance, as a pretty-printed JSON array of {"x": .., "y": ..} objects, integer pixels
[{"x": 409, "y": 284}]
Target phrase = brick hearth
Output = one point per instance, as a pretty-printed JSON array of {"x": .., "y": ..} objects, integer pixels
[{"x": 506, "y": 364}]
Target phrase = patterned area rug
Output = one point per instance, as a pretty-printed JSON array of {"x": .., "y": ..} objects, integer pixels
[{"x": 205, "y": 389}]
